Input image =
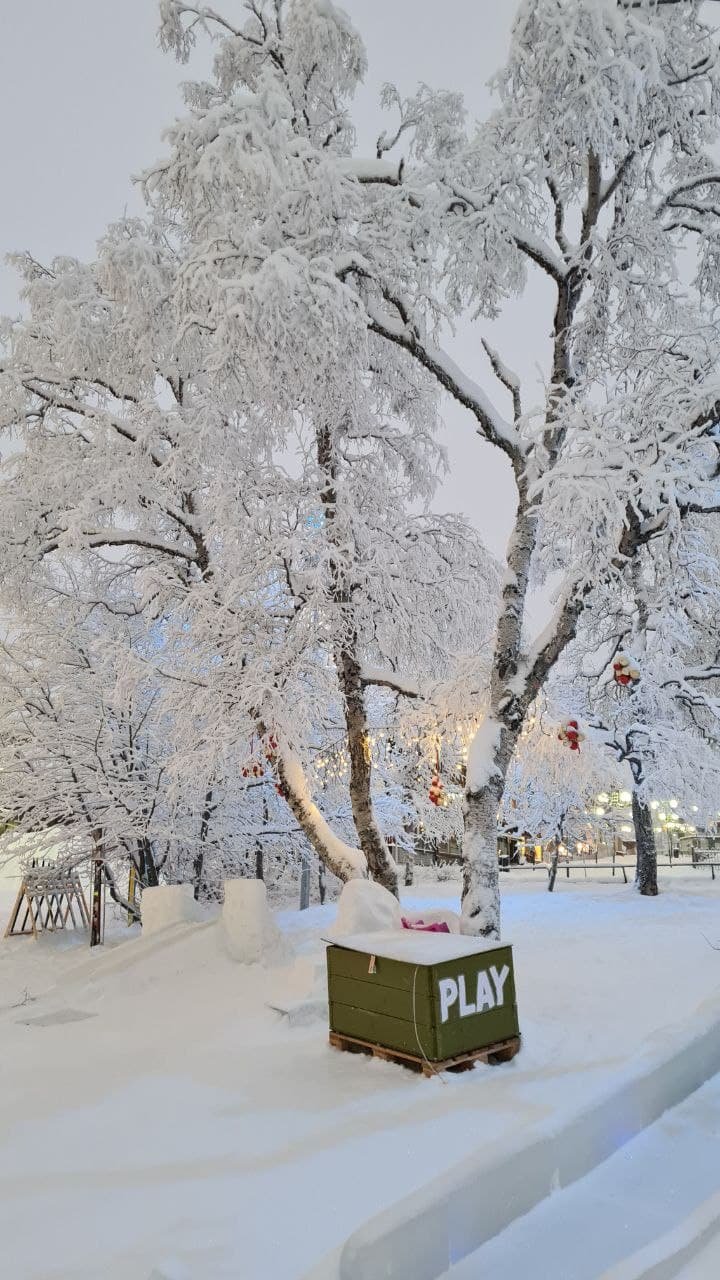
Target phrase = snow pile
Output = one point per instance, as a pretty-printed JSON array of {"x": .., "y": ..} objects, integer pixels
[
  {"x": 167, "y": 905},
  {"x": 365, "y": 907},
  {"x": 249, "y": 931}
]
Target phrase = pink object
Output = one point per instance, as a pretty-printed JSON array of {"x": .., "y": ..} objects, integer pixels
[{"x": 440, "y": 927}]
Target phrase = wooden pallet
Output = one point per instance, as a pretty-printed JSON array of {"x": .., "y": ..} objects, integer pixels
[{"x": 503, "y": 1051}]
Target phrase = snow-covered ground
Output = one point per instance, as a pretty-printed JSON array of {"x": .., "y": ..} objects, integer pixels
[{"x": 152, "y": 1097}]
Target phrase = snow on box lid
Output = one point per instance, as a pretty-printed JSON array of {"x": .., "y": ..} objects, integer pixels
[{"x": 415, "y": 947}]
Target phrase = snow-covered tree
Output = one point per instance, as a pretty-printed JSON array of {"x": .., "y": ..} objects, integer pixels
[
  {"x": 594, "y": 172},
  {"x": 275, "y": 565},
  {"x": 645, "y": 679}
]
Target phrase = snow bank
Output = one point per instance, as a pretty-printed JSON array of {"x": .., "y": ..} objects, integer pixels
[
  {"x": 365, "y": 907},
  {"x": 249, "y": 931},
  {"x": 664, "y": 1258},
  {"x": 167, "y": 905},
  {"x": 425, "y": 1234}
]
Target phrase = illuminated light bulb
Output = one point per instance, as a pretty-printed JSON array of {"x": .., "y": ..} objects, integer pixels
[
  {"x": 626, "y": 797},
  {"x": 662, "y": 816},
  {"x": 654, "y": 804},
  {"x": 603, "y": 797},
  {"x": 673, "y": 804},
  {"x": 599, "y": 812}
]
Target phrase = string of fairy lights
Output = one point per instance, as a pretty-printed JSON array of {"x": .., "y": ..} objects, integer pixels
[
  {"x": 389, "y": 750},
  {"x": 666, "y": 817}
]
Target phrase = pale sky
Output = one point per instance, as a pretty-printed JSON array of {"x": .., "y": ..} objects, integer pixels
[{"x": 85, "y": 94}]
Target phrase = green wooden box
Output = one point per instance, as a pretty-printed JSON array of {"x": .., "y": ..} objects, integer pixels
[{"x": 428, "y": 995}]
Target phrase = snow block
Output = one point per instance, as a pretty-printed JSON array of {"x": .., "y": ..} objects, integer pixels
[
  {"x": 365, "y": 907},
  {"x": 249, "y": 931},
  {"x": 167, "y": 905}
]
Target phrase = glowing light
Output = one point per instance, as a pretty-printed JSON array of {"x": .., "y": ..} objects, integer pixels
[
  {"x": 654, "y": 804},
  {"x": 673, "y": 804},
  {"x": 599, "y": 812},
  {"x": 662, "y": 816},
  {"x": 626, "y": 797},
  {"x": 603, "y": 798},
  {"x": 694, "y": 808}
]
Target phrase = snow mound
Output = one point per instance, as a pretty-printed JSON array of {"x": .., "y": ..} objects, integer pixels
[
  {"x": 441, "y": 915},
  {"x": 364, "y": 907},
  {"x": 167, "y": 905},
  {"x": 249, "y": 931}
]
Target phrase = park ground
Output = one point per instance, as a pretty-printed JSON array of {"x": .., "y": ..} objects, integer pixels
[{"x": 160, "y": 1118}]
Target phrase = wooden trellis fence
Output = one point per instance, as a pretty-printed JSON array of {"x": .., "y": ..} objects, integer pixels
[{"x": 50, "y": 897}]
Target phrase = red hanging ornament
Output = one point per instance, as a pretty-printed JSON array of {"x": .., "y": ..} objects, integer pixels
[
  {"x": 436, "y": 793},
  {"x": 624, "y": 671},
  {"x": 569, "y": 733}
]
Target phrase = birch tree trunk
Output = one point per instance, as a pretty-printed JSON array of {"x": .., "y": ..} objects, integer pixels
[
  {"x": 646, "y": 865},
  {"x": 344, "y": 862},
  {"x": 646, "y": 856},
  {"x": 493, "y": 747},
  {"x": 199, "y": 859},
  {"x": 381, "y": 864},
  {"x": 514, "y": 684}
]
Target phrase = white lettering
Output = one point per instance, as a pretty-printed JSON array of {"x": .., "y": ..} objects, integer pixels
[
  {"x": 485, "y": 998},
  {"x": 448, "y": 995},
  {"x": 465, "y": 1008},
  {"x": 499, "y": 980}
]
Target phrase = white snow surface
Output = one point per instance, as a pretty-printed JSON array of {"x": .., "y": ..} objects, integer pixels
[
  {"x": 415, "y": 947},
  {"x": 150, "y": 1091}
]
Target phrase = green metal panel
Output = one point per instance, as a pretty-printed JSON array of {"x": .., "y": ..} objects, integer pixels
[{"x": 453, "y": 1007}]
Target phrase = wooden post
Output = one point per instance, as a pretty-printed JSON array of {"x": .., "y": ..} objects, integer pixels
[
  {"x": 132, "y": 893},
  {"x": 97, "y": 921},
  {"x": 305, "y": 883}
]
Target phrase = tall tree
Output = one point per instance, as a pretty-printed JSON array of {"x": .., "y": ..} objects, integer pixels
[{"x": 594, "y": 173}]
